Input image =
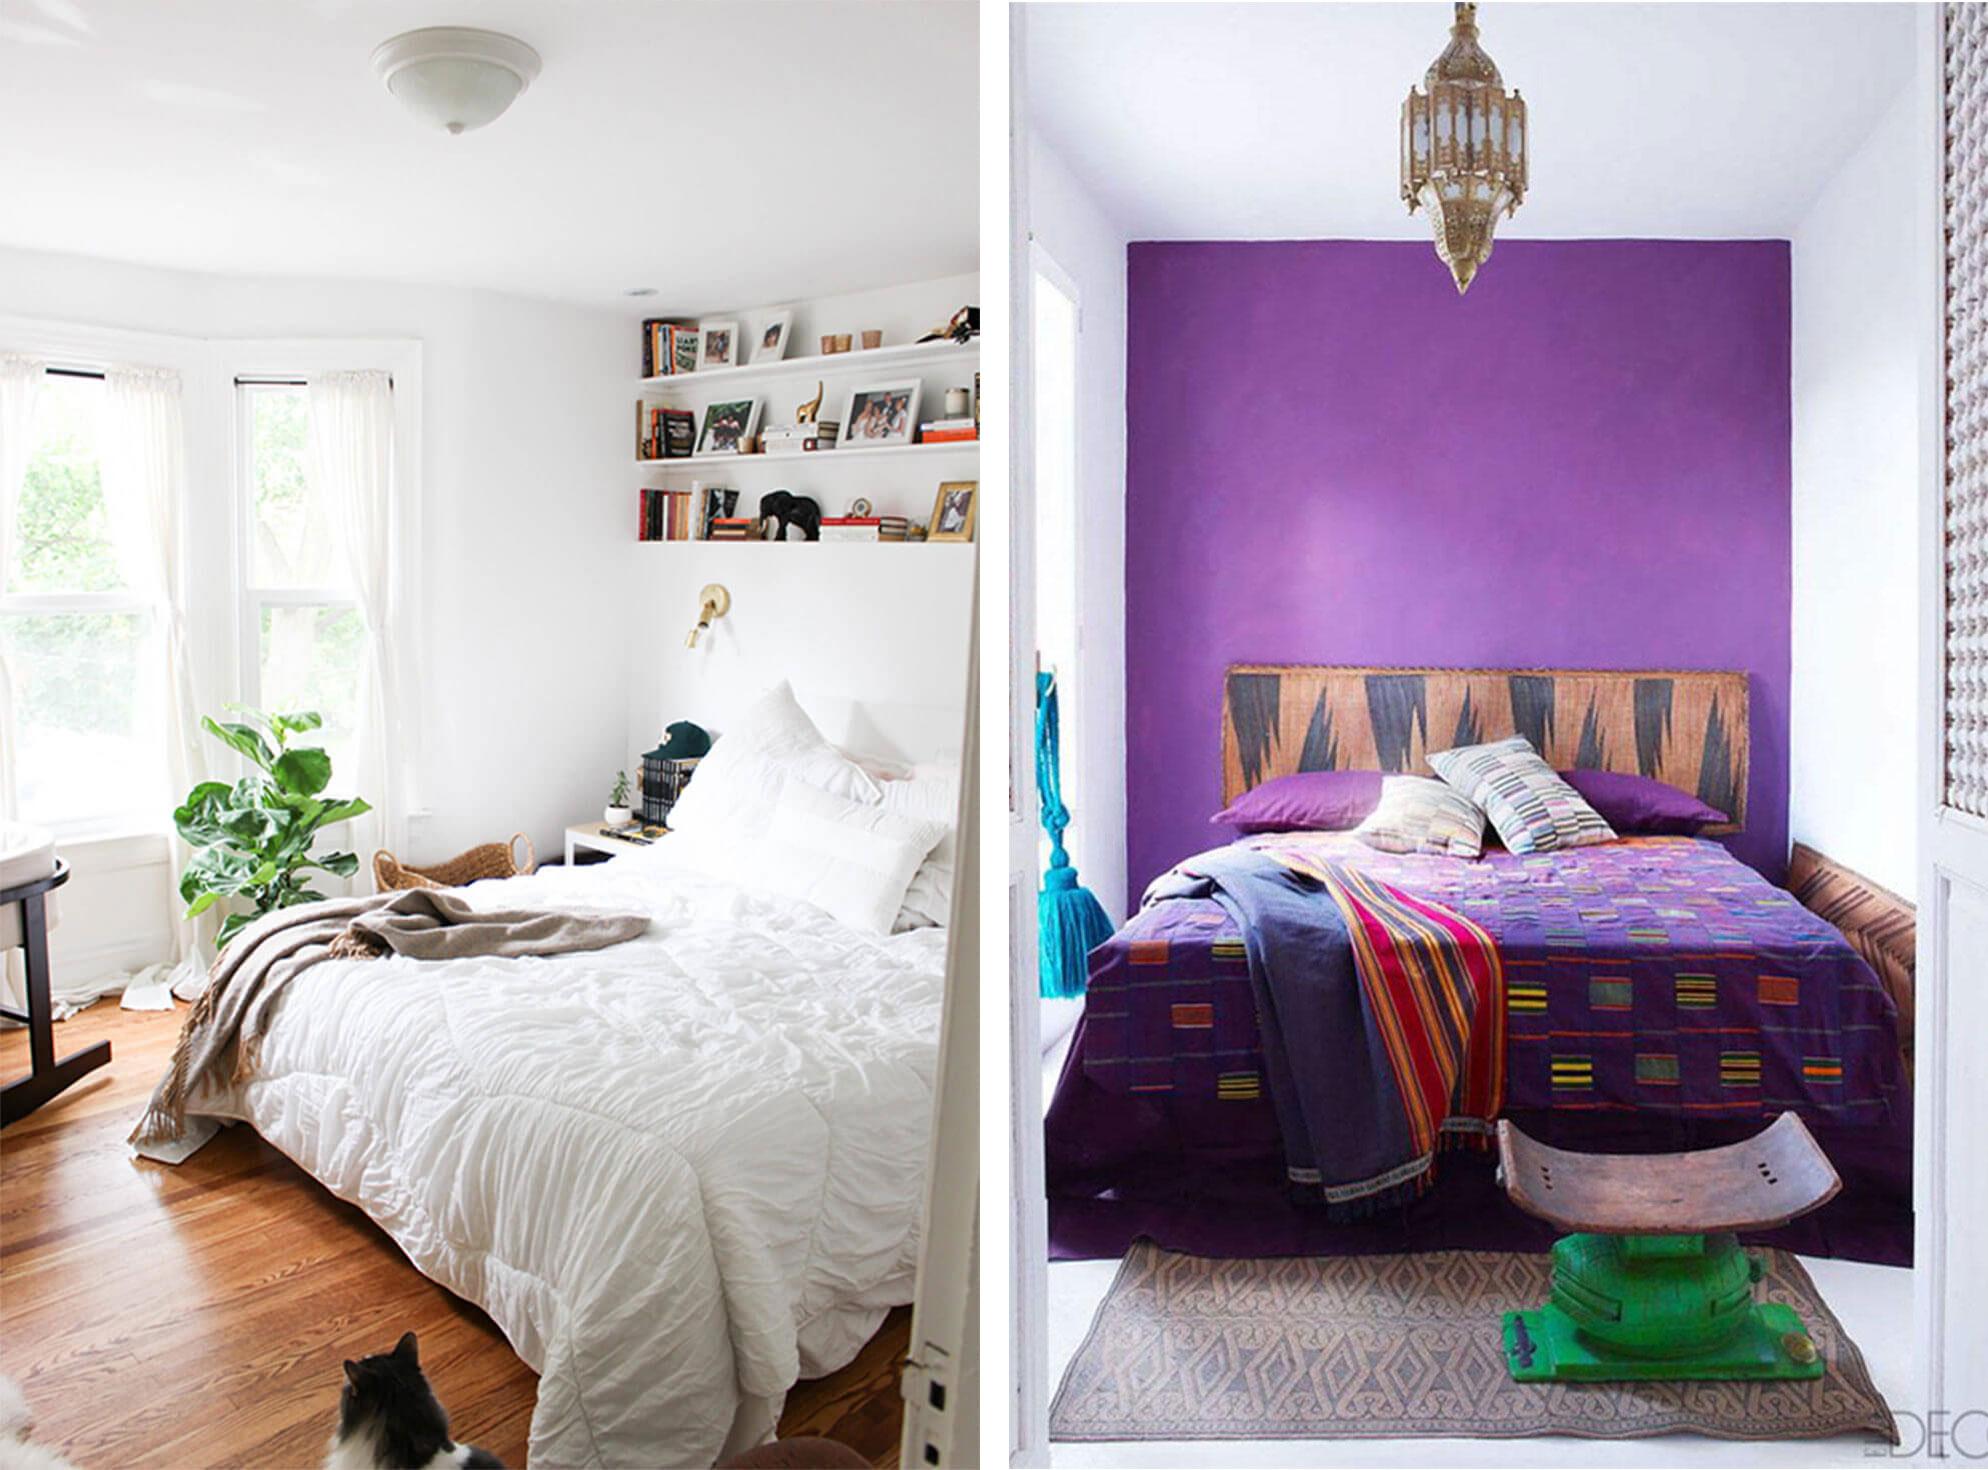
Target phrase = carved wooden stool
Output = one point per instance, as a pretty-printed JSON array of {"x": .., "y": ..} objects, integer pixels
[{"x": 1652, "y": 1284}]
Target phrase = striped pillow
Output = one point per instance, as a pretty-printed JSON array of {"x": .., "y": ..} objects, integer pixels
[
  {"x": 1532, "y": 809},
  {"x": 1416, "y": 814}
]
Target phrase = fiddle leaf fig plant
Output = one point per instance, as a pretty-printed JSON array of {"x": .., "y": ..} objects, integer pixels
[{"x": 252, "y": 841}]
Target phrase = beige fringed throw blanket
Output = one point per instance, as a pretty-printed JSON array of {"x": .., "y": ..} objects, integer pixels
[{"x": 421, "y": 923}]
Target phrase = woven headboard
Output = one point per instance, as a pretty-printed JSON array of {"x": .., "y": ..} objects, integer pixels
[{"x": 1688, "y": 730}]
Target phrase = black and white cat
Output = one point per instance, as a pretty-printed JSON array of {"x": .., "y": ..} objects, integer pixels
[{"x": 390, "y": 1419}]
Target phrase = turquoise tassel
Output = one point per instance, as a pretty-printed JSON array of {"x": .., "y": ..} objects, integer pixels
[{"x": 1070, "y": 921}]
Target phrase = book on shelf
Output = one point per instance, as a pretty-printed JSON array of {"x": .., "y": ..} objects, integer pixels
[
  {"x": 713, "y": 502},
  {"x": 893, "y": 528},
  {"x": 851, "y": 528},
  {"x": 797, "y": 438},
  {"x": 665, "y": 515},
  {"x": 660, "y": 339},
  {"x": 734, "y": 528},
  {"x": 686, "y": 341},
  {"x": 662, "y": 432},
  {"x": 949, "y": 431}
]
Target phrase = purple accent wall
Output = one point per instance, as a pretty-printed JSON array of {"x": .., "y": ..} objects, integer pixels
[{"x": 1331, "y": 458}]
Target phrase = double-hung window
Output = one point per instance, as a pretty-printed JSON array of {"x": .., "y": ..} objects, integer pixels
[
  {"x": 302, "y": 635},
  {"x": 85, "y": 727}
]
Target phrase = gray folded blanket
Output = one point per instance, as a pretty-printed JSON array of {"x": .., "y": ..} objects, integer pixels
[{"x": 421, "y": 923}]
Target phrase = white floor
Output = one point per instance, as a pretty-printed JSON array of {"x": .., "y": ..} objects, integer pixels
[{"x": 1874, "y": 1304}]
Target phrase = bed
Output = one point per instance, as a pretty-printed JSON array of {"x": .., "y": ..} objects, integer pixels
[
  {"x": 679, "y": 1173},
  {"x": 1656, "y": 992}
]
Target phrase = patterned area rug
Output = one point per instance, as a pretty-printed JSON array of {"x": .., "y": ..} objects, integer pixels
[{"x": 1367, "y": 1347}]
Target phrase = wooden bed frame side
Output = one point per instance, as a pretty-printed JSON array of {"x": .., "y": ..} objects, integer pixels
[{"x": 1685, "y": 727}]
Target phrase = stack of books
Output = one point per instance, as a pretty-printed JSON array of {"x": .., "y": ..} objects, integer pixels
[
  {"x": 797, "y": 438},
  {"x": 734, "y": 528},
  {"x": 865, "y": 528},
  {"x": 949, "y": 431},
  {"x": 668, "y": 348},
  {"x": 851, "y": 528},
  {"x": 664, "y": 433},
  {"x": 712, "y": 502},
  {"x": 664, "y": 515}
]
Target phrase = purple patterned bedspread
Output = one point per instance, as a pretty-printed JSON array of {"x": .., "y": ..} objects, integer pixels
[{"x": 1655, "y": 974}]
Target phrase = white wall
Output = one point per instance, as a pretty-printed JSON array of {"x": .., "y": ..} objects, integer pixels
[
  {"x": 1069, "y": 225},
  {"x": 523, "y": 557},
  {"x": 1862, "y": 262},
  {"x": 880, "y": 626},
  {"x": 873, "y": 638}
]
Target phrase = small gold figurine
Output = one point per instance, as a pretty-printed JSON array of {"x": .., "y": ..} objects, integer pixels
[{"x": 805, "y": 414}]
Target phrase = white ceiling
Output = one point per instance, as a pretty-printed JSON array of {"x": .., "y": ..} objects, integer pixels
[
  {"x": 1258, "y": 121},
  {"x": 726, "y": 154}
]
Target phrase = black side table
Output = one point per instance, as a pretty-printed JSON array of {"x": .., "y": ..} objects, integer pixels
[{"x": 48, "y": 1076}]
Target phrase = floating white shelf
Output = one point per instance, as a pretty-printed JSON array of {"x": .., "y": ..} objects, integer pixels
[
  {"x": 907, "y": 355},
  {"x": 813, "y": 460},
  {"x": 826, "y": 548}
]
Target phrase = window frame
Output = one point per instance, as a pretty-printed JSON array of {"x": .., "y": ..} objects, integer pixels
[
  {"x": 1044, "y": 269},
  {"x": 252, "y": 599},
  {"x": 62, "y": 354},
  {"x": 235, "y": 623}
]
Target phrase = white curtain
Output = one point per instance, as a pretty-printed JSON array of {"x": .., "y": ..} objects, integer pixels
[
  {"x": 20, "y": 382},
  {"x": 352, "y": 456},
  {"x": 144, "y": 479}
]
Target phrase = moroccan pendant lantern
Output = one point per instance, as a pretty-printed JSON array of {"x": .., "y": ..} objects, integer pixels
[{"x": 1463, "y": 150}]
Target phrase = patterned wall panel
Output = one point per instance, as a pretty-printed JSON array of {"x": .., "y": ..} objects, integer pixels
[
  {"x": 1966, "y": 556},
  {"x": 1686, "y": 729}
]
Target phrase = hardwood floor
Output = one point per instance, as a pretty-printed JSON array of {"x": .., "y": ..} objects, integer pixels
[{"x": 197, "y": 1316}]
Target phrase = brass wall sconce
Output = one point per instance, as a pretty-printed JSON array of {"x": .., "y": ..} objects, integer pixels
[{"x": 715, "y": 603}]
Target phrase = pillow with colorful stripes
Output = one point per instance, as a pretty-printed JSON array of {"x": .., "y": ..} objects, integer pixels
[
  {"x": 1532, "y": 809},
  {"x": 1416, "y": 814}
]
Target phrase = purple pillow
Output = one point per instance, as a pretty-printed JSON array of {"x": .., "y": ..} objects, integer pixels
[
  {"x": 1638, "y": 804},
  {"x": 1315, "y": 801}
]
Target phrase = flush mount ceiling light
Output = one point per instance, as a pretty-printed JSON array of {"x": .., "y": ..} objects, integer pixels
[
  {"x": 457, "y": 78},
  {"x": 1463, "y": 150}
]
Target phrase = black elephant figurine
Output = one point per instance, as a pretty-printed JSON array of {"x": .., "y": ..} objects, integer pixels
[{"x": 779, "y": 509}]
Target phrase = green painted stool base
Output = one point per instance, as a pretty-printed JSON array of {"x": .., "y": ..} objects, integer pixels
[{"x": 1553, "y": 1349}]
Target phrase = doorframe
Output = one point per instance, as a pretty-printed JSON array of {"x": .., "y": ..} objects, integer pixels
[{"x": 1028, "y": 1256}]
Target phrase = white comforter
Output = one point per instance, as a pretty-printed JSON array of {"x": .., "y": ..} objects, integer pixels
[{"x": 679, "y": 1173}]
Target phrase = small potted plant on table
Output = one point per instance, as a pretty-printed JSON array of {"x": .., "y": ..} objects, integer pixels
[{"x": 618, "y": 813}]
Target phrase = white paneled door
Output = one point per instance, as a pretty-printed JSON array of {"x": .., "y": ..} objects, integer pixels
[{"x": 1952, "y": 1152}]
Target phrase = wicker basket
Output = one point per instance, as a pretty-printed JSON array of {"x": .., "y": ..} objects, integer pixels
[{"x": 491, "y": 860}]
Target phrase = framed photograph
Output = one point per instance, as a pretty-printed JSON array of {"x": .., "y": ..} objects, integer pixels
[
  {"x": 954, "y": 512},
  {"x": 771, "y": 344},
  {"x": 886, "y": 414},
  {"x": 721, "y": 345},
  {"x": 729, "y": 427}
]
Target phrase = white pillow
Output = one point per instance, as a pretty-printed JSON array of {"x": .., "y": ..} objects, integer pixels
[
  {"x": 930, "y": 792},
  {"x": 735, "y": 786},
  {"x": 853, "y": 860}
]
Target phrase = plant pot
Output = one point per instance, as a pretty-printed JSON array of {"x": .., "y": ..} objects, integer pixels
[{"x": 616, "y": 816}]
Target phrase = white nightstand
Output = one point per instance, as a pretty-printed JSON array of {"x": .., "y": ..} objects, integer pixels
[{"x": 592, "y": 837}]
